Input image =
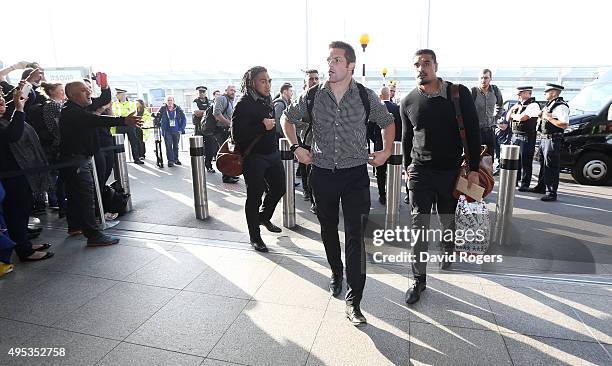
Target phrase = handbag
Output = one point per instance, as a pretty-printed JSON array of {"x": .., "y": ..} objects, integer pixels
[
  {"x": 485, "y": 170},
  {"x": 229, "y": 160}
]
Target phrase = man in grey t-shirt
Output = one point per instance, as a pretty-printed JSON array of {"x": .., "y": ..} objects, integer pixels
[
  {"x": 488, "y": 101},
  {"x": 222, "y": 111}
]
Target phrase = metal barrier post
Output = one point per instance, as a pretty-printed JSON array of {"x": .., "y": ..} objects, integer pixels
[
  {"x": 98, "y": 194},
  {"x": 289, "y": 197},
  {"x": 121, "y": 171},
  {"x": 394, "y": 186},
  {"x": 509, "y": 161},
  {"x": 200, "y": 196},
  {"x": 128, "y": 148}
]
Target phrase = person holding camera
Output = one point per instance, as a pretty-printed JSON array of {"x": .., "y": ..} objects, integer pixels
[
  {"x": 253, "y": 130},
  {"x": 79, "y": 141}
]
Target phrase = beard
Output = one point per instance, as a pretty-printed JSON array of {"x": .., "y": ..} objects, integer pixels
[{"x": 424, "y": 82}]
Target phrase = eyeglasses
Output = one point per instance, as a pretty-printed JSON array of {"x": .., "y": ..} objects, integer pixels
[{"x": 335, "y": 60}]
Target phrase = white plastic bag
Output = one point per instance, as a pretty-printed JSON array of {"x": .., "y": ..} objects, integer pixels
[{"x": 472, "y": 217}]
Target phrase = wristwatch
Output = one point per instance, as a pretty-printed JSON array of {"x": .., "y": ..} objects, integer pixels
[{"x": 294, "y": 147}]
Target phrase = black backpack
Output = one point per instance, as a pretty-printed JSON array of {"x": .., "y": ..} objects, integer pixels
[
  {"x": 210, "y": 122},
  {"x": 310, "y": 98},
  {"x": 114, "y": 198}
]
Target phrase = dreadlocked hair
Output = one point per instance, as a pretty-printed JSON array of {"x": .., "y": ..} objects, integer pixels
[{"x": 247, "y": 80}]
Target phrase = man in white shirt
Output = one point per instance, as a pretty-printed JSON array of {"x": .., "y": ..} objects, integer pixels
[
  {"x": 553, "y": 121},
  {"x": 523, "y": 117}
]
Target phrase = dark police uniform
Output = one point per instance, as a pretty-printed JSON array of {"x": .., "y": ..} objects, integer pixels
[
  {"x": 524, "y": 136},
  {"x": 550, "y": 145},
  {"x": 210, "y": 144}
]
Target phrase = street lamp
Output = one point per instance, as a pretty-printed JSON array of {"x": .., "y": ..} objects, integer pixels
[
  {"x": 384, "y": 72},
  {"x": 364, "y": 40}
]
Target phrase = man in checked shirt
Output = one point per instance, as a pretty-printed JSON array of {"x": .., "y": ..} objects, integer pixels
[{"x": 339, "y": 155}]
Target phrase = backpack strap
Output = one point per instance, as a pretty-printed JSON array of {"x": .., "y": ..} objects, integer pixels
[
  {"x": 310, "y": 97},
  {"x": 454, "y": 89},
  {"x": 365, "y": 100},
  {"x": 475, "y": 92}
]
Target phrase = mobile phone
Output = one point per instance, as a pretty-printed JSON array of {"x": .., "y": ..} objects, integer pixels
[
  {"x": 25, "y": 91},
  {"x": 101, "y": 79}
]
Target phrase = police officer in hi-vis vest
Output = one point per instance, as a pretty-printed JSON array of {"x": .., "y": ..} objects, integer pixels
[
  {"x": 523, "y": 117},
  {"x": 123, "y": 107},
  {"x": 553, "y": 120}
]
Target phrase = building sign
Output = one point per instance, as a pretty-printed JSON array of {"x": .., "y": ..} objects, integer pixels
[{"x": 65, "y": 74}]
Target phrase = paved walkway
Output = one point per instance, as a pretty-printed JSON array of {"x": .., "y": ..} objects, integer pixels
[
  {"x": 176, "y": 291},
  {"x": 202, "y": 297}
]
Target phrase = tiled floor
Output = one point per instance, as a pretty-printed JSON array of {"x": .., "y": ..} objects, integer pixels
[{"x": 165, "y": 298}]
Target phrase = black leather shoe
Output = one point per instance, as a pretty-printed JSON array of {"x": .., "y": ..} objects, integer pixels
[
  {"x": 211, "y": 170},
  {"x": 382, "y": 199},
  {"x": 354, "y": 315},
  {"x": 537, "y": 189},
  {"x": 335, "y": 284},
  {"x": 138, "y": 161},
  {"x": 523, "y": 189},
  {"x": 270, "y": 226},
  {"x": 259, "y": 245},
  {"x": 178, "y": 163},
  {"x": 414, "y": 294},
  {"x": 549, "y": 197},
  {"x": 230, "y": 180}
]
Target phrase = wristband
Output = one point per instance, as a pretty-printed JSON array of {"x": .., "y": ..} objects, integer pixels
[{"x": 294, "y": 147}]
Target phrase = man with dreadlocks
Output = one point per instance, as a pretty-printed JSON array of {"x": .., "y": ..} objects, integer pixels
[
  {"x": 254, "y": 133},
  {"x": 340, "y": 110}
]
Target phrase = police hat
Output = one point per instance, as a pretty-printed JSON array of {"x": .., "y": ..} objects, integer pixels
[
  {"x": 551, "y": 86},
  {"x": 524, "y": 88},
  {"x": 117, "y": 90},
  {"x": 203, "y": 88}
]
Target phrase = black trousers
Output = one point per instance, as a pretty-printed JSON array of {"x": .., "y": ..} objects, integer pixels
[
  {"x": 211, "y": 146},
  {"x": 351, "y": 187},
  {"x": 17, "y": 207},
  {"x": 142, "y": 150},
  {"x": 133, "y": 138},
  {"x": 487, "y": 137},
  {"x": 80, "y": 192},
  {"x": 263, "y": 173},
  {"x": 526, "y": 146},
  {"x": 304, "y": 173},
  {"x": 549, "y": 155},
  {"x": 426, "y": 186}
]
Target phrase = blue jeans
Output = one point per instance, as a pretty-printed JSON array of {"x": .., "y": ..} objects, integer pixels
[{"x": 172, "y": 146}]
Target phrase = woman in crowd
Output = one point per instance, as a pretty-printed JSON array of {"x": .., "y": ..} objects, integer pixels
[
  {"x": 147, "y": 121},
  {"x": 173, "y": 123},
  {"x": 20, "y": 149},
  {"x": 51, "y": 114},
  {"x": 253, "y": 131}
]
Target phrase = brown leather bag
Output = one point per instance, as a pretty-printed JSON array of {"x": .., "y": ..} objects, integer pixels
[
  {"x": 485, "y": 171},
  {"x": 229, "y": 160}
]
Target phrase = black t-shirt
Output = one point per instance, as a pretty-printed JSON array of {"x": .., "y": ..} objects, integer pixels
[
  {"x": 247, "y": 125},
  {"x": 430, "y": 131}
]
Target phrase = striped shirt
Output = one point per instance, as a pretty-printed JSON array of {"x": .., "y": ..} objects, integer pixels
[{"x": 339, "y": 129}]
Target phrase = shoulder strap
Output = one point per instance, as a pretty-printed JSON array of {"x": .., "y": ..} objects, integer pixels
[
  {"x": 227, "y": 106},
  {"x": 495, "y": 91},
  {"x": 365, "y": 100},
  {"x": 455, "y": 97},
  {"x": 474, "y": 93}
]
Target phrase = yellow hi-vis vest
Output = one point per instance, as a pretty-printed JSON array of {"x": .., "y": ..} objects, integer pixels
[{"x": 122, "y": 109}]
